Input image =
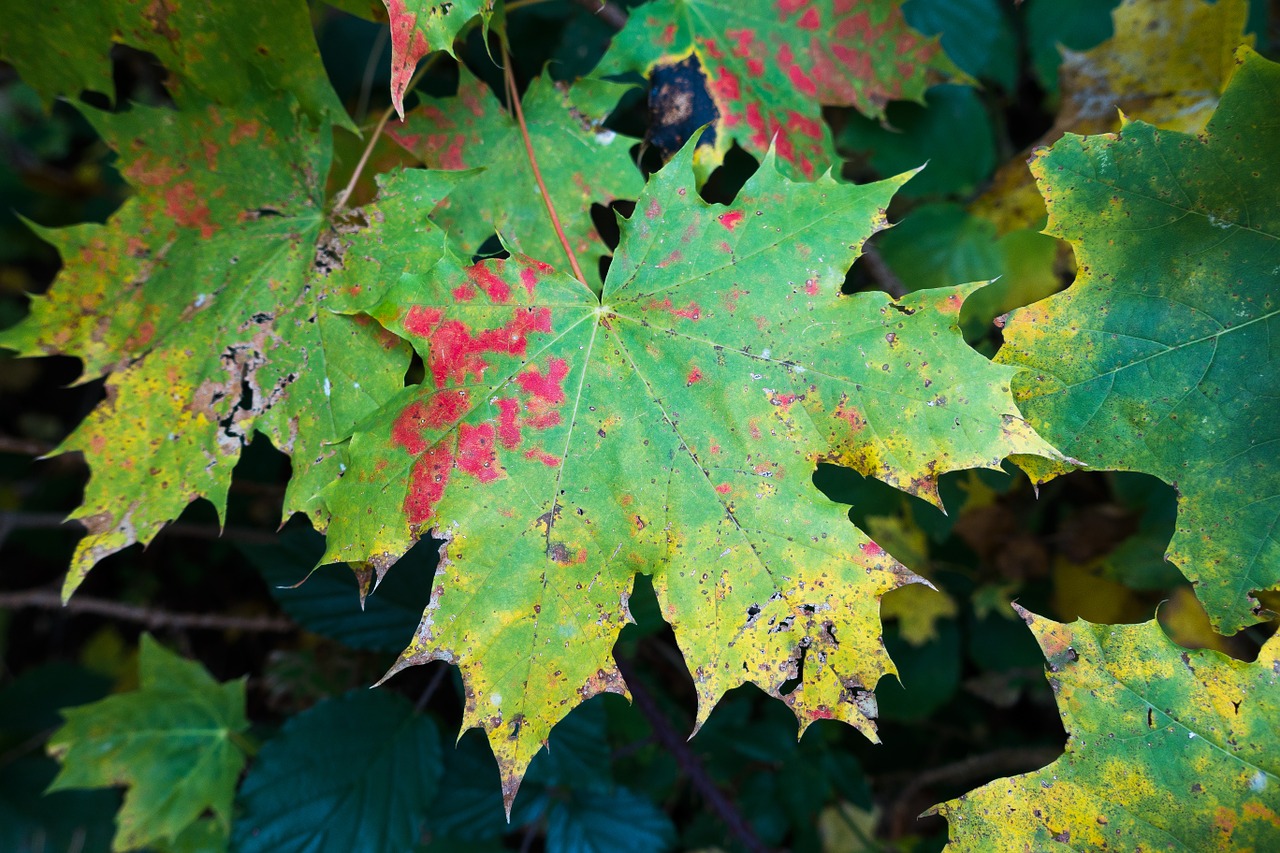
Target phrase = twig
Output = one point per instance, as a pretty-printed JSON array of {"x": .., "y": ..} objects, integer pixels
[
  {"x": 11, "y": 520},
  {"x": 151, "y": 617},
  {"x": 340, "y": 200},
  {"x": 612, "y": 15},
  {"x": 883, "y": 273},
  {"x": 514, "y": 96},
  {"x": 432, "y": 686},
  {"x": 24, "y": 446},
  {"x": 987, "y": 764},
  {"x": 689, "y": 762}
]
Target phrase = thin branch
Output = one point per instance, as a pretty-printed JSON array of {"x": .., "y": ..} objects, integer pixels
[
  {"x": 47, "y": 599},
  {"x": 514, "y": 97},
  {"x": 612, "y": 15},
  {"x": 24, "y": 446},
  {"x": 340, "y": 200},
  {"x": 883, "y": 273},
  {"x": 1012, "y": 760},
  {"x": 689, "y": 762},
  {"x": 18, "y": 520}
]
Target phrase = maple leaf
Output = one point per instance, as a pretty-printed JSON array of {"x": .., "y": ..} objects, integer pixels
[
  {"x": 419, "y": 27},
  {"x": 770, "y": 65},
  {"x": 562, "y": 442},
  {"x": 581, "y": 162},
  {"x": 1168, "y": 63},
  {"x": 1154, "y": 360},
  {"x": 172, "y": 741},
  {"x": 202, "y": 298},
  {"x": 1189, "y": 737},
  {"x": 226, "y": 52}
]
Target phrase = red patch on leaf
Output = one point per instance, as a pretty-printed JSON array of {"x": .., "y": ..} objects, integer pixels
[
  {"x": 188, "y": 209},
  {"x": 851, "y": 416},
  {"x": 695, "y": 375},
  {"x": 529, "y": 275},
  {"x": 427, "y": 482},
  {"x": 483, "y": 277},
  {"x": 476, "y": 452},
  {"x": 724, "y": 489},
  {"x": 692, "y": 311},
  {"x": 731, "y": 219},
  {"x": 464, "y": 293},
  {"x": 455, "y": 354},
  {"x": 810, "y": 20},
  {"x": 674, "y": 258},
  {"x": 787, "y": 8},
  {"x": 811, "y": 287},
  {"x": 549, "y": 387},
  {"x": 508, "y": 428},
  {"x": 542, "y": 456},
  {"x": 654, "y": 210},
  {"x": 406, "y": 431},
  {"x": 421, "y": 320},
  {"x": 871, "y": 549}
]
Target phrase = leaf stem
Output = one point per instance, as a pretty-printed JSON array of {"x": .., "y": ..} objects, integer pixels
[
  {"x": 514, "y": 97},
  {"x": 340, "y": 200}
]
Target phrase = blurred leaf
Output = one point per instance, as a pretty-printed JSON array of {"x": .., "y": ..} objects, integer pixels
[
  {"x": 1139, "y": 562},
  {"x": 1167, "y": 64},
  {"x": 1167, "y": 747},
  {"x": 32, "y": 822},
  {"x": 468, "y": 807},
  {"x": 1081, "y": 592},
  {"x": 918, "y": 612},
  {"x": 172, "y": 742},
  {"x": 1186, "y": 623},
  {"x": 950, "y": 131},
  {"x": 355, "y": 773},
  {"x": 845, "y": 828},
  {"x": 607, "y": 821},
  {"x": 1074, "y": 24},
  {"x": 928, "y": 674},
  {"x": 976, "y": 34},
  {"x": 328, "y": 600}
]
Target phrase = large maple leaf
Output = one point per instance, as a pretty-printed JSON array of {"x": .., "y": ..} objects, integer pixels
[
  {"x": 219, "y": 51},
  {"x": 201, "y": 298},
  {"x": 581, "y": 163},
  {"x": 1158, "y": 358},
  {"x": 563, "y": 441},
  {"x": 1189, "y": 737},
  {"x": 770, "y": 66}
]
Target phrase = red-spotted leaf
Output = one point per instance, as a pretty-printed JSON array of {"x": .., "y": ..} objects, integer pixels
[
  {"x": 770, "y": 65},
  {"x": 221, "y": 50},
  {"x": 581, "y": 163},
  {"x": 419, "y": 27},
  {"x": 562, "y": 442},
  {"x": 202, "y": 300}
]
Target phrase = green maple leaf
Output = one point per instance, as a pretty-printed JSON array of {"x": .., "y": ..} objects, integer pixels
[
  {"x": 1157, "y": 358},
  {"x": 581, "y": 163},
  {"x": 563, "y": 442},
  {"x": 221, "y": 51},
  {"x": 1189, "y": 737},
  {"x": 419, "y": 27},
  {"x": 173, "y": 741},
  {"x": 770, "y": 65},
  {"x": 202, "y": 299}
]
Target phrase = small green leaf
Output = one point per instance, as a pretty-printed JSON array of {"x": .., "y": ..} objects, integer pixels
[
  {"x": 172, "y": 742},
  {"x": 355, "y": 773},
  {"x": 1167, "y": 749}
]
